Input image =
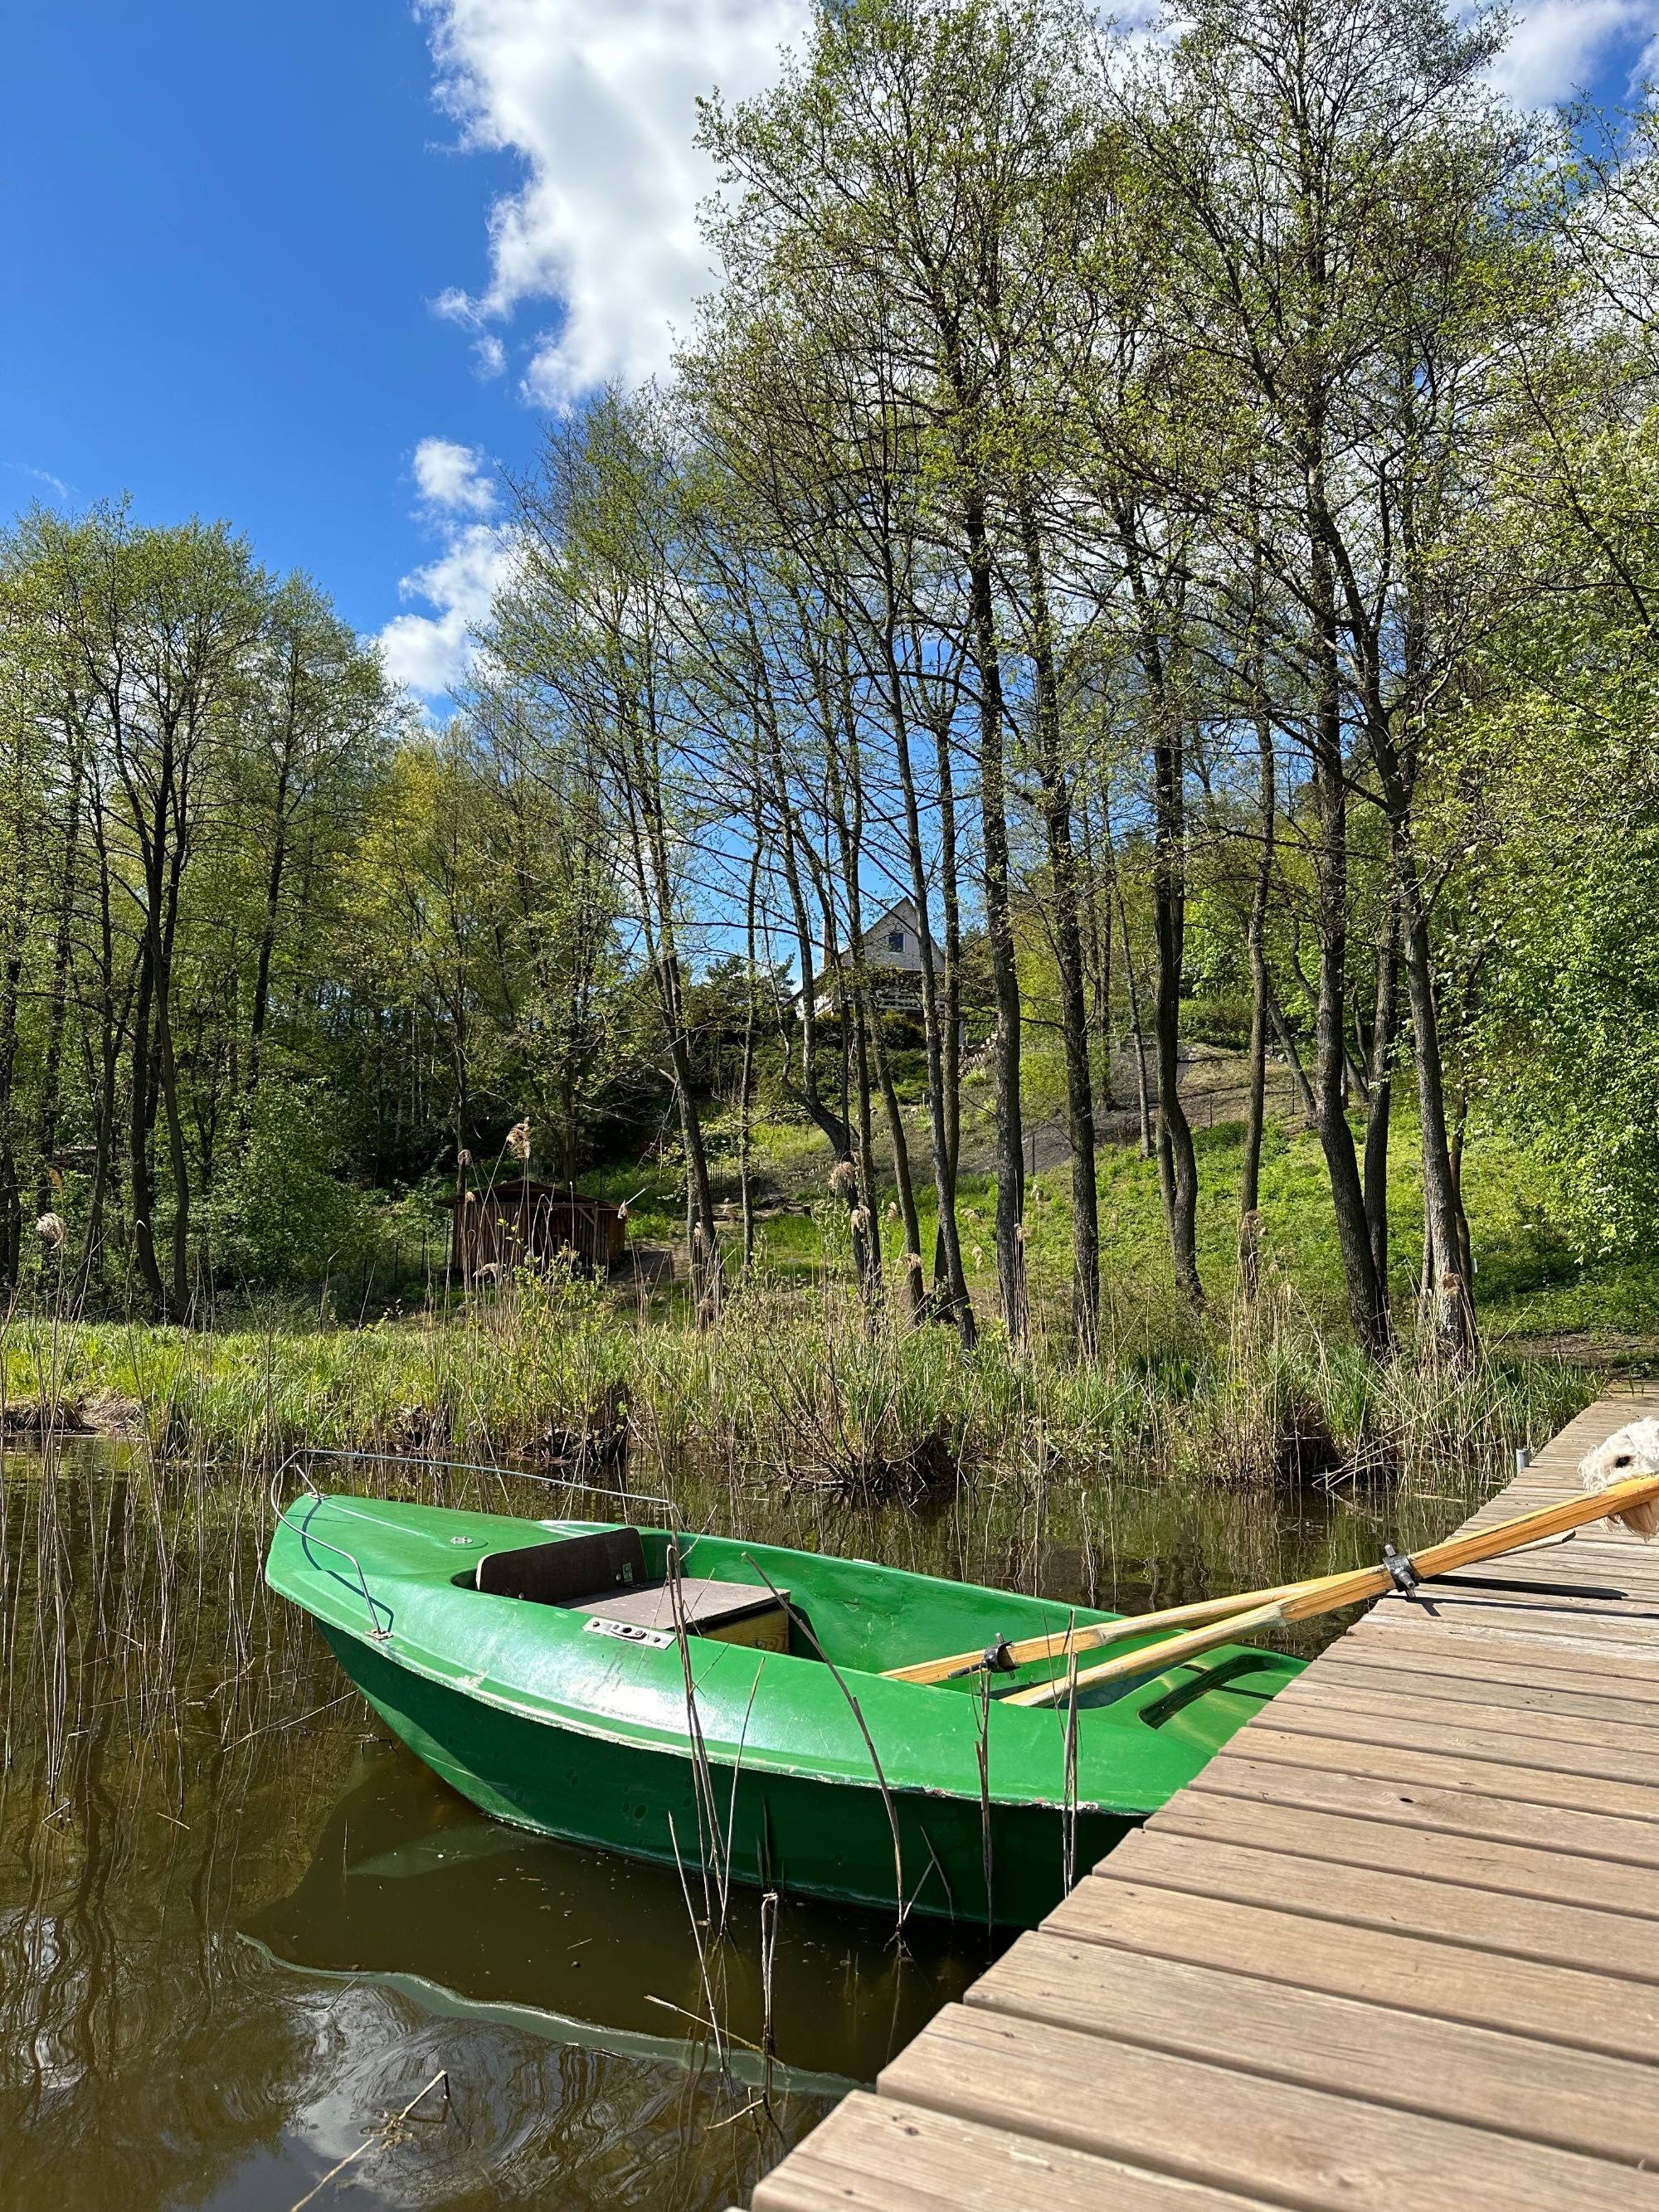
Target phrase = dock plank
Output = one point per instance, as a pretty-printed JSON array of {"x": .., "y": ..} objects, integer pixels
[
  {"x": 1577, "y": 2100},
  {"x": 1551, "y": 1876},
  {"x": 1615, "y": 1726},
  {"x": 1522, "y": 1927},
  {"x": 1220, "y": 2128},
  {"x": 882, "y": 2152},
  {"x": 1547, "y": 1621},
  {"x": 1387, "y": 1626},
  {"x": 1480, "y": 1766},
  {"x": 1484, "y": 1989},
  {"x": 1444, "y": 1682},
  {"x": 1397, "y": 1946},
  {"x": 1598, "y": 1756},
  {"x": 1444, "y": 1667},
  {"x": 1333, "y": 1786}
]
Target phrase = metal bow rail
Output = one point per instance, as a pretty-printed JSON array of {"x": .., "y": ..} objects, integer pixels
[{"x": 302, "y": 1530}]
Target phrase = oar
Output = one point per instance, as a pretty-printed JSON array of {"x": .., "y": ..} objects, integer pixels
[
  {"x": 1623, "y": 1501},
  {"x": 1002, "y": 1658}
]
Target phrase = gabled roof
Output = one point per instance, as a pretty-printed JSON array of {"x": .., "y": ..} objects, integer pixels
[{"x": 902, "y": 910}]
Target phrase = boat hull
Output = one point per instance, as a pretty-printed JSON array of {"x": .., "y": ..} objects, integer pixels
[
  {"x": 792, "y": 1833},
  {"x": 802, "y": 1764}
]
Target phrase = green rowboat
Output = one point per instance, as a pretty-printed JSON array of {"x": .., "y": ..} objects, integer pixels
[{"x": 734, "y": 1715}]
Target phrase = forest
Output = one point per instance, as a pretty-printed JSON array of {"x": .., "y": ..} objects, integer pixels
[{"x": 1177, "y": 511}]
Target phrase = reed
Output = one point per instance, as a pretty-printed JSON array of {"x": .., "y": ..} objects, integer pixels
[{"x": 795, "y": 1388}]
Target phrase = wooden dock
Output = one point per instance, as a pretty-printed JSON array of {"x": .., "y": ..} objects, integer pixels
[{"x": 1397, "y": 1948}]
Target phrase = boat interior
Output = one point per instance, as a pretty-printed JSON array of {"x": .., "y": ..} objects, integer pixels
[
  {"x": 606, "y": 1576},
  {"x": 813, "y": 1606}
]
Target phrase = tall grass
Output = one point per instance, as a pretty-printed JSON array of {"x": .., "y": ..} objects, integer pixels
[{"x": 797, "y": 1388}]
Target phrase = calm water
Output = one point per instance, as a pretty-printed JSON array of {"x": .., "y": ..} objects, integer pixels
[{"x": 239, "y": 1928}]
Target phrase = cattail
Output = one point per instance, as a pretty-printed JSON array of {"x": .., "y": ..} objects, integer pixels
[
  {"x": 51, "y": 1230},
  {"x": 518, "y": 1140}
]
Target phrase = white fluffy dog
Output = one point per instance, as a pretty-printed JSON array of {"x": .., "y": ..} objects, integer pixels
[{"x": 1631, "y": 1451}]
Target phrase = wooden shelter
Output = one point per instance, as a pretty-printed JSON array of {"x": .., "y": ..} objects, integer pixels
[{"x": 519, "y": 1224}]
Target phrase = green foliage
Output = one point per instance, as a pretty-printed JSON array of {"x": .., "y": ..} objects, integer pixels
[
  {"x": 797, "y": 1394},
  {"x": 282, "y": 1215}
]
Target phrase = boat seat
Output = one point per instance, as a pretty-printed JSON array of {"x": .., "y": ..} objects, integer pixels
[
  {"x": 731, "y": 1612},
  {"x": 568, "y": 1571}
]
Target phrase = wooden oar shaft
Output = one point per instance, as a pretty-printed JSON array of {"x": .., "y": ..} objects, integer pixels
[
  {"x": 1169, "y": 1651},
  {"x": 1095, "y": 1634},
  {"x": 1354, "y": 1587},
  {"x": 1468, "y": 1550}
]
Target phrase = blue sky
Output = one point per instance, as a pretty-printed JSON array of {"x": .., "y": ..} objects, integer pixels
[
  {"x": 225, "y": 225},
  {"x": 319, "y": 266}
]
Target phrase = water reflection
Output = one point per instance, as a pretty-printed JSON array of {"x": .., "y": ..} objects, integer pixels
[
  {"x": 413, "y": 1888},
  {"x": 183, "y": 1769}
]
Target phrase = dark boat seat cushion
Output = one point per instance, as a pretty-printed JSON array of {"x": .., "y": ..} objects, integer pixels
[{"x": 568, "y": 1569}]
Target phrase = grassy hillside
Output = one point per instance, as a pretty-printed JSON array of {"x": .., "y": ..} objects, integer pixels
[{"x": 1531, "y": 1285}]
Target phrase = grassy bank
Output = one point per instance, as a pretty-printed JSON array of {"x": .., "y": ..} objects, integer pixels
[{"x": 792, "y": 1388}]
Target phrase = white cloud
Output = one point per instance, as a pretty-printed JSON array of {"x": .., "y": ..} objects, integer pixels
[
  {"x": 55, "y": 485},
  {"x": 1560, "y": 47},
  {"x": 453, "y": 479},
  {"x": 432, "y": 653},
  {"x": 598, "y": 97}
]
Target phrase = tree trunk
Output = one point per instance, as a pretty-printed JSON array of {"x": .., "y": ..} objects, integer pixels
[
  {"x": 1143, "y": 1087},
  {"x": 62, "y": 950},
  {"x": 1460, "y": 1125},
  {"x": 938, "y": 1019},
  {"x": 180, "y": 1161},
  {"x": 746, "y": 1078},
  {"x": 141, "y": 1118},
  {"x": 1068, "y": 950},
  {"x": 915, "y": 1289},
  {"x": 1010, "y": 1142},
  {"x": 947, "y": 1256},
  {"x": 1366, "y": 1307},
  {"x": 1177, "y": 1162},
  {"x": 1455, "y": 1332},
  {"x": 1099, "y": 961},
  {"x": 267, "y": 945},
  {"x": 1379, "y": 1101},
  {"x": 104, "y": 1136},
  {"x": 845, "y": 785},
  {"x": 1249, "y": 1186},
  {"x": 869, "y": 1205},
  {"x": 11, "y": 1202}
]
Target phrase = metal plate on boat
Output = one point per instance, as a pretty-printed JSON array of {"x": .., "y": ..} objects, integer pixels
[{"x": 628, "y": 1632}]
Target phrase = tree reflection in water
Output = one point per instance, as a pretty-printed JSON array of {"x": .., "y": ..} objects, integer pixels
[
  {"x": 183, "y": 1772},
  {"x": 237, "y": 1928}
]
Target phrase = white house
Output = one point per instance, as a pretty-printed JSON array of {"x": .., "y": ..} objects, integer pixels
[{"x": 891, "y": 947}]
